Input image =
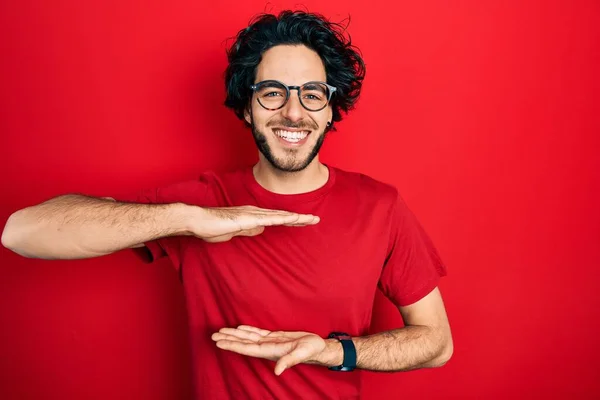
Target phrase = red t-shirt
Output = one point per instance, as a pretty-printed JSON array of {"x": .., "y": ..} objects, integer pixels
[{"x": 319, "y": 278}]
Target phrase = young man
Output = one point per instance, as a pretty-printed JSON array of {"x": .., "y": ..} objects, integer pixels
[{"x": 262, "y": 285}]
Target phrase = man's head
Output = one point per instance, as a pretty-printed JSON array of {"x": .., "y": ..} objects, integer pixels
[{"x": 290, "y": 77}]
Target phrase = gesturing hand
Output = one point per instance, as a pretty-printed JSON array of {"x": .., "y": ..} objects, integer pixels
[
  {"x": 286, "y": 348},
  {"x": 220, "y": 224}
]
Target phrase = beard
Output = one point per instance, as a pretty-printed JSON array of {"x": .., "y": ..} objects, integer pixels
[{"x": 292, "y": 161}]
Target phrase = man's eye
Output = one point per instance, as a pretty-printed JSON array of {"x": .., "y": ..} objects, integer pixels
[{"x": 316, "y": 97}]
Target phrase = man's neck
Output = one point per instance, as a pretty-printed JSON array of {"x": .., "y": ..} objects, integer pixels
[{"x": 314, "y": 176}]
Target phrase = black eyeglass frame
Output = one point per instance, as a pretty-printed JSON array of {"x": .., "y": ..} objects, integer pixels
[{"x": 332, "y": 90}]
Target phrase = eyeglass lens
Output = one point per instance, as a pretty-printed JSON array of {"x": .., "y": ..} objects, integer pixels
[{"x": 273, "y": 95}]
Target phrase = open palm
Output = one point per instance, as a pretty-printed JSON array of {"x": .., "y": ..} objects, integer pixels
[{"x": 286, "y": 348}]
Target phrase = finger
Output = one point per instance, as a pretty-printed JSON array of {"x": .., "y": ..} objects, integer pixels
[
  {"x": 314, "y": 222},
  {"x": 294, "y": 219},
  {"x": 251, "y": 232},
  {"x": 288, "y": 334},
  {"x": 246, "y": 232},
  {"x": 276, "y": 219},
  {"x": 301, "y": 216},
  {"x": 278, "y": 334},
  {"x": 289, "y": 360},
  {"x": 270, "y": 351},
  {"x": 241, "y": 334},
  {"x": 252, "y": 221},
  {"x": 260, "y": 210},
  {"x": 261, "y": 332},
  {"x": 217, "y": 336},
  {"x": 308, "y": 219},
  {"x": 247, "y": 349},
  {"x": 220, "y": 238}
]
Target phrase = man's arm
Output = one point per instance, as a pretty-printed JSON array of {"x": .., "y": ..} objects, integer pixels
[
  {"x": 424, "y": 342},
  {"x": 76, "y": 226}
]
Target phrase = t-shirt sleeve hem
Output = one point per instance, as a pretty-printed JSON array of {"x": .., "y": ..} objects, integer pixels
[{"x": 411, "y": 298}]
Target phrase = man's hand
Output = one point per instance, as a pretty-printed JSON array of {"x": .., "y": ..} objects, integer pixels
[
  {"x": 424, "y": 342},
  {"x": 286, "y": 348},
  {"x": 220, "y": 224}
]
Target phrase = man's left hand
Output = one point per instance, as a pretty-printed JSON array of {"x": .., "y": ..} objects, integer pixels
[{"x": 286, "y": 348}]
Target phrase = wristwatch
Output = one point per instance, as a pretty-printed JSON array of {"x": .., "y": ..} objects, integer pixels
[{"x": 349, "y": 362}]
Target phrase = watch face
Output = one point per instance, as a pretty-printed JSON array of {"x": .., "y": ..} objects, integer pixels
[{"x": 339, "y": 335}]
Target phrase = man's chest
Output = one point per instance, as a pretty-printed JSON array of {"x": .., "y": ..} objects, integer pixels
[
  {"x": 294, "y": 273},
  {"x": 325, "y": 274}
]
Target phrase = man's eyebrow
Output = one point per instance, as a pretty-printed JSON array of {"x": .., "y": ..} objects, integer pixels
[
  {"x": 312, "y": 86},
  {"x": 270, "y": 84}
]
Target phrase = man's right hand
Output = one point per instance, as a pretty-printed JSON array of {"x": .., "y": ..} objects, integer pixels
[
  {"x": 220, "y": 224},
  {"x": 76, "y": 226}
]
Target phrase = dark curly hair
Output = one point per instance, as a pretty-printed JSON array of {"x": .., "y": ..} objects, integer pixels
[{"x": 344, "y": 66}]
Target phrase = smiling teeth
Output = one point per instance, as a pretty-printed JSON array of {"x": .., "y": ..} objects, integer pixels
[{"x": 291, "y": 136}]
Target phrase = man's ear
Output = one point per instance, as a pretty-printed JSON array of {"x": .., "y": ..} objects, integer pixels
[{"x": 247, "y": 115}]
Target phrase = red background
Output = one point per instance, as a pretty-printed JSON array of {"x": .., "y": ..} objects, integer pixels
[{"x": 484, "y": 113}]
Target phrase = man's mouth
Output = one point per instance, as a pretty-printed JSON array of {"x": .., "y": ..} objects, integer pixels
[{"x": 291, "y": 136}]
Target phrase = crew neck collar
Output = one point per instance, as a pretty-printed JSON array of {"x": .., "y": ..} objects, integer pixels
[{"x": 277, "y": 198}]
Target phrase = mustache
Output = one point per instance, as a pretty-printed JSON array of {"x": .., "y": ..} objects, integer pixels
[{"x": 286, "y": 123}]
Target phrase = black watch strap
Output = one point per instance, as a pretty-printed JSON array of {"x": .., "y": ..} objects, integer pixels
[{"x": 349, "y": 362}]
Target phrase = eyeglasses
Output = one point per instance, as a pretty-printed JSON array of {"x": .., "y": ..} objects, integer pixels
[{"x": 273, "y": 95}]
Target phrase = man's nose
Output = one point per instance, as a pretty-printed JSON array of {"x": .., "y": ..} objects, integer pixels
[{"x": 293, "y": 109}]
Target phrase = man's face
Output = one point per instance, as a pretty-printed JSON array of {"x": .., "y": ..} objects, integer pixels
[{"x": 289, "y": 138}]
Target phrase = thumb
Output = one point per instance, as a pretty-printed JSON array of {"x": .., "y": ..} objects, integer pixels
[
  {"x": 288, "y": 361},
  {"x": 252, "y": 232}
]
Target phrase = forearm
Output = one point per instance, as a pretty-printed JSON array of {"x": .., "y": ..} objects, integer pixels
[
  {"x": 404, "y": 349},
  {"x": 75, "y": 226}
]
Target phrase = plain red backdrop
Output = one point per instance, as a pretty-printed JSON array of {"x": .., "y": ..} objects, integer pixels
[{"x": 485, "y": 114}]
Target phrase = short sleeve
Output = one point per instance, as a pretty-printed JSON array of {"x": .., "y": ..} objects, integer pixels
[
  {"x": 192, "y": 192},
  {"x": 413, "y": 267}
]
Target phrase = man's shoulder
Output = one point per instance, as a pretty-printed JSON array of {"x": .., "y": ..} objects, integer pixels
[
  {"x": 365, "y": 183},
  {"x": 193, "y": 189},
  {"x": 231, "y": 173},
  {"x": 213, "y": 176}
]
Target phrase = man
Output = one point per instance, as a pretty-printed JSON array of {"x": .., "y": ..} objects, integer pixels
[{"x": 262, "y": 285}]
